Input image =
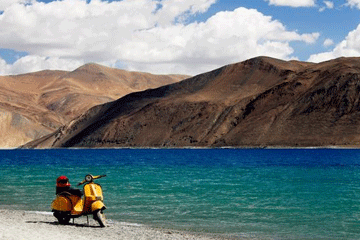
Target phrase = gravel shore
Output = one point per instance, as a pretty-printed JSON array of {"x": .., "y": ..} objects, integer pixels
[{"x": 19, "y": 225}]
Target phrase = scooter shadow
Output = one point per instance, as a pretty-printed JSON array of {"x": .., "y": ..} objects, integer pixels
[{"x": 69, "y": 224}]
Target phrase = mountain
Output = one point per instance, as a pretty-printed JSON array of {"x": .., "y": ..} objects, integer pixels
[
  {"x": 260, "y": 102},
  {"x": 36, "y": 104}
]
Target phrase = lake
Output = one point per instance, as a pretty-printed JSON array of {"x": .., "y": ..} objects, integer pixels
[{"x": 249, "y": 193}]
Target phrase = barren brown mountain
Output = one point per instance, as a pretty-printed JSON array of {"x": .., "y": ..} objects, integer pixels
[
  {"x": 259, "y": 102},
  {"x": 35, "y": 104}
]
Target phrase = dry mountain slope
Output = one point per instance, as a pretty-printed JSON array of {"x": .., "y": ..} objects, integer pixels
[
  {"x": 35, "y": 104},
  {"x": 258, "y": 102}
]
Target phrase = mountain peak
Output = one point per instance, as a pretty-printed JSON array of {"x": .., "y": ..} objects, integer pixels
[
  {"x": 267, "y": 63},
  {"x": 91, "y": 67}
]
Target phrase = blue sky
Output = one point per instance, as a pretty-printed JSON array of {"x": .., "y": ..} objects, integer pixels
[
  {"x": 165, "y": 36},
  {"x": 333, "y": 23}
]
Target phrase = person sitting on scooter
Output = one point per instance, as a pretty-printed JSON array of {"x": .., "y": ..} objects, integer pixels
[{"x": 63, "y": 185}]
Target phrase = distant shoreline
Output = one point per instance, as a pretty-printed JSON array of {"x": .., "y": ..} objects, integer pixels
[{"x": 195, "y": 148}]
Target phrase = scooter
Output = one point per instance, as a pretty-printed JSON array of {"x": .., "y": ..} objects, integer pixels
[{"x": 67, "y": 206}]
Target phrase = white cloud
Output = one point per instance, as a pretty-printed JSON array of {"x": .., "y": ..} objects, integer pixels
[
  {"x": 354, "y": 3},
  {"x": 292, "y": 3},
  {"x": 33, "y": 63},
  {"x": 7, "y": 3},
  {"x": 4, "y": 67},
  {"x": 171, "y": 9},
  {"x": 328, "y": 42},
  {"x": 349, "y": 47},
  {"x": 328, "y": 4},
  {"x": 143, "y": 35}
]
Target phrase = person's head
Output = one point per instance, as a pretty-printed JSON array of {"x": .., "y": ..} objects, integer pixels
[{"x": 62, "y": 181}]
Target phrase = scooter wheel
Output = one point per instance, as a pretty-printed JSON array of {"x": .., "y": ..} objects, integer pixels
[
  {"x": 100, "y": 217},
  {"x": 62, "y": 218}
]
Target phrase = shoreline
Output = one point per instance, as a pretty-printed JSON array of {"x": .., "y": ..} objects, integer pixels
[
  {"x": 31, "y": 225},
  {"x": 350, "y": 147}
]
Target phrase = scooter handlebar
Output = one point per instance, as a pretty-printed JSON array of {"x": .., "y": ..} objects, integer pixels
[
  {"x": 100, "y": 176},
  {"x": 80, "y": 183},
  {"x": 93, "y": 177}
]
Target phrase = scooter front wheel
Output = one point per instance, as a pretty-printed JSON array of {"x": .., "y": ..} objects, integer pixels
[{"x": 100, "y": 217}]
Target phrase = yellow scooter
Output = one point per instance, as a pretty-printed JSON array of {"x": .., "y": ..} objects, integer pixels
[{"x": 67, "y": 206}]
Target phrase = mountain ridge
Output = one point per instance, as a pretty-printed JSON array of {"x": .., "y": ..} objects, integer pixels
[
  {"x": 259, "y": 102},
  {"x": 48, "y": 99}
]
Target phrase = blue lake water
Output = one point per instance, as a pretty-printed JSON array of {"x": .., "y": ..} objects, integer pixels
[{"x": 254, "y": 193}]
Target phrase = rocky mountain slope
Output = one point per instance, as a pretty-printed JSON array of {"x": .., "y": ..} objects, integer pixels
[
  {"x": 36, "y": 104},
  {"x": 259, "y": 102}
]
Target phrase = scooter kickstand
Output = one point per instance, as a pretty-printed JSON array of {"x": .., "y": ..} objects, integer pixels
[{"x": 88, "y": 220}]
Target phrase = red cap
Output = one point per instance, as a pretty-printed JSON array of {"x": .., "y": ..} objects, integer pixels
[{"x": 62, "y": 181}]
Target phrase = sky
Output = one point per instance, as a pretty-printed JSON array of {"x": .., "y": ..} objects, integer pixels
[{"x": 172, "y": 36}]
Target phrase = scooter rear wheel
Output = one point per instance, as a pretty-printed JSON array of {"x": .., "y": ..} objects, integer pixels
[
  {"x": 62, "y": 217},
  {"x": 100, "y": 217}
]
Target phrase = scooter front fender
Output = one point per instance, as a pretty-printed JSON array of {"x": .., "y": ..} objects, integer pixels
[{"x": 97, "y": 205}]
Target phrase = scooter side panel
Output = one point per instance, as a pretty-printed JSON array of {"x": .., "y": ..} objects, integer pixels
[
  {"x": 78, "y": 205},
  {"x": 61, "y": 203}
]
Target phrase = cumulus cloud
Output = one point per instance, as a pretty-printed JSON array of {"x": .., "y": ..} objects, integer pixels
[
  {"x": 354, "y": 3},
  {"x": 349, "y": 47},
  {"x": 33, "y": 63},
  {"x": 292, "y": 3},
  {"x": 328, "y": 42},
  {"x": 4, "y": 67},
  {"x": 328, "y": 4},
  {"x": 7, "y": 3},
  {"x": 143, "y": 35}
]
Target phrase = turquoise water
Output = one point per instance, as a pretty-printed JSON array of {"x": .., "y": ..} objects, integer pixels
[{"x": 255, "y": 193}]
